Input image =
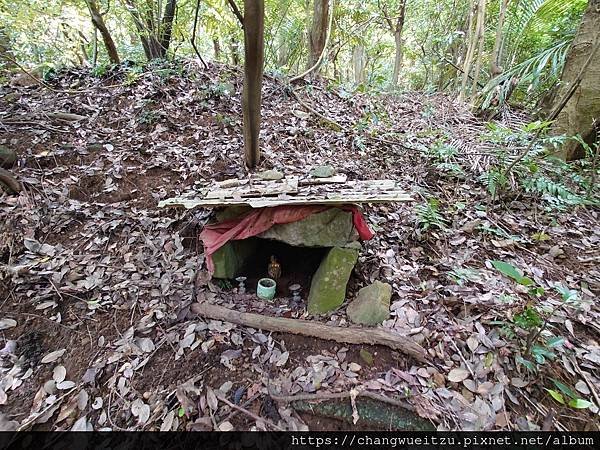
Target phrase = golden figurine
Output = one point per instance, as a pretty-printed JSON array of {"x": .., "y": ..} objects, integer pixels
[{"x": 274, "y": 269}]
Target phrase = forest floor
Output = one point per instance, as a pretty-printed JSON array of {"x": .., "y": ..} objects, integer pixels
[{"x": 96, "y": 281}]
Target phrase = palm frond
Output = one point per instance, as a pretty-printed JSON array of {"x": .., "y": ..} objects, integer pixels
[
  {"x": 546, "y": 64},
  {"x": 531, "y": 14}
]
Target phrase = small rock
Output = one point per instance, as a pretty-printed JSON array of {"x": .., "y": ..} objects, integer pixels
[
  {"x": 270, "y": 175},
  {"x": 323, "y": 171},
  {"x": 354, "y": 367},
  {"x": 372, "y": 305},
  {"x": 556, "y": 251}
]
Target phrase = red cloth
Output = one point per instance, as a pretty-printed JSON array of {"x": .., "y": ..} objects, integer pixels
[{"x": 260, "y": 220}]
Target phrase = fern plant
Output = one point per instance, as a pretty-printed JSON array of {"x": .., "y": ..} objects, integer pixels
[
  {"x": 494, "y": 180},
  {"x": 429, "y": 216}
]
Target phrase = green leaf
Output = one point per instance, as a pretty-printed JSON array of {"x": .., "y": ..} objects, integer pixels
[
  {"x": 528, "y": 364},
  {"x": 541, "y": 236},
  {"x": 566, "y": 293},
  {"x": 556, "y": 396},
  {"x": 180, "y": 412},
  {"x": 564, "y": 388},
  {"x": 525, "y": 281},
  {"x": 539, "y": 351},
  {"x": 580, "y": 403},
  {"x": 555, "y": 341},
  {"x": 507, "y": 269}
]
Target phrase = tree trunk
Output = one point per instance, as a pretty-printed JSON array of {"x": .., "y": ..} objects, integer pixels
[
  {"x": 396, "y": 29},
  {"x": 99, "y": 24},
  {"x": 359, "y": 63},
  {"x": 397, "y": 58},
  {"x": 480, "y": 37},
  {"x": 254, "y": 16},
  {"x": 581, "y": 113},
  {"x": 155, "y": 36},
  {"x": 167, "y": 26},
  {"x": 496, "y": 57},
  {"x": 235, "y": 55},
  {"x": 95, "y": 48},
  {"x": 318, "y": 32},
  {"x": 468, "y": 60},
  {"x": 5, "y": 51},
  {"x": 217, "y": 48}
]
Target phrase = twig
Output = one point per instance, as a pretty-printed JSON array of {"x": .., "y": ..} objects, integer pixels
[
  {"x": 32, "y": 420},
  {"x": 244, "y": 405},
  {"x": 315, "y": 112},
  {"x": 249, "y": 413},
  {"x": 340, "y": 395},
  {"x": 543, "y": 411},
  {"x": 44, "y": 318},
  {"x": 463, "y": 359},
  {"x": 587, "y": 380}
]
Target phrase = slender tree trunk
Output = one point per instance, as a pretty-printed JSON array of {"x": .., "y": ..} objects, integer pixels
[
  {"x": 318, "y": 31},
  {"x": 99, "y": 24},
  {"x": 481, "y": 40},
  {"x": 155, "y": 35},
  {"x": 217, "y": 48},
  {"x": 254, "y": 16},
  {"x": 397, "y": 58},
  {"x": 495, "y": 68},
  {"x": 95, "y": 48},
  {"x": 359, "y": 63},
  {"x": 472, "y": 38},
  {"x": 235, "y": 55},
  {"x": 166, "y": 30},
  {"x": 580, "y": 75}
]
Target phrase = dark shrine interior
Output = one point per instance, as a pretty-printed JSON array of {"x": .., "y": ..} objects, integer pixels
[{"x": 298, "y": 265}]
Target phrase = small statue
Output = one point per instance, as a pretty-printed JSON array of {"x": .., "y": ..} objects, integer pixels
[{"x": 274, "y": 269}]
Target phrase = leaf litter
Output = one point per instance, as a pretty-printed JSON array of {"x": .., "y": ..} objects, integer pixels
[{"x": 105, "y": 279}]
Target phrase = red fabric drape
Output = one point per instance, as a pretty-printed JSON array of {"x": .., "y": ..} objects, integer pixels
[{"x": 259, "y": 220}]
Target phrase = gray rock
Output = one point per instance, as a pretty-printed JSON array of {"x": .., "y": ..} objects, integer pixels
[
  {"x": 328, "y": 285},
  {"x": 270, "y": 175},
  {"x": 330, "y": 228},
  {"x": 323, "y": 172},
  {"x": 372, "y": 305}
]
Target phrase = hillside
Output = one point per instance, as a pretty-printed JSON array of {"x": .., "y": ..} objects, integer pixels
[{"x": 91, "y": 268}]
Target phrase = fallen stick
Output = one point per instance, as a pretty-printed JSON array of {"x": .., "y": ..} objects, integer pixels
[
  {"x": 350, "y": 335},
  {"x": 341, "y": 395},
  {"x": 249, "y": 413}
]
